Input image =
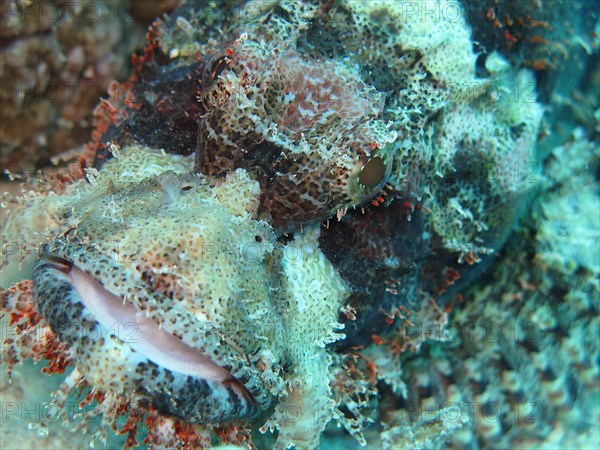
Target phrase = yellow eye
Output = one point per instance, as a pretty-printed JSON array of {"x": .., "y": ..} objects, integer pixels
[{"x": 372, "y": 172}]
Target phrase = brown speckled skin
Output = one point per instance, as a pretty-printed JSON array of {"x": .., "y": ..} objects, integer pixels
[
  {"x": 284, "y": 130},
  {"x": 304, "y": 128},
  {"x": 127, "y": 234},
  {"x": 94, "y": 348}
]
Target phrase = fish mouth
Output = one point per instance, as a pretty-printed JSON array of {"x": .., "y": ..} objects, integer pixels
[{"x": 194, "y": 376}]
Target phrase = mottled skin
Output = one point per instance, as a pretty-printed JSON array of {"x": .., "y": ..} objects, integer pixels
[
  {"x": 102, "y": 354},
  {"x": 304, "y": 128},
  {"x": 224, "y": 249},
  {"x": 128, "y": 235},
  {"x": 193, "y": 257}
]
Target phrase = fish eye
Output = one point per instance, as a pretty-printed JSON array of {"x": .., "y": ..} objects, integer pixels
[{"x": 372, "y": 172}]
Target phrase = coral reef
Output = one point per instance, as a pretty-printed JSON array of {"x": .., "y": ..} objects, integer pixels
[
  {"x": 283, "y": 222},
  {"x": 57, "y": 60}
]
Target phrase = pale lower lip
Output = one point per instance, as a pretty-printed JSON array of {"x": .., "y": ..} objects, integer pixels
[{"x": 155, "y": 343}]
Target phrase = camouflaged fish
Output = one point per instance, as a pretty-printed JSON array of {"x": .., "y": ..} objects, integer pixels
[{"x": 263, "y": 208}]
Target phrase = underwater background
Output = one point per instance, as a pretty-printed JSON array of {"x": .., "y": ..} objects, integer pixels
[{"x": 450, "y": 221}]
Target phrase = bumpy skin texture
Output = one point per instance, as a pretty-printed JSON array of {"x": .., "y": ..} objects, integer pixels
[
  {"x": 541, "y": 369},
  {"x": 369, "y": 251},
  {"x": 152, "y": 226},
  {"x": 192, "y": 257},
  {"x": 231, "y": 238},
  {"x": 104, "y": 357},
  {"x": 304, "y": 128}
]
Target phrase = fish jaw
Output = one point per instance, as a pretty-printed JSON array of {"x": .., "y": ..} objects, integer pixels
[{"x": 142, "y": 359}]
